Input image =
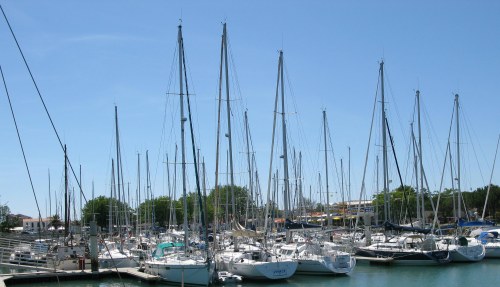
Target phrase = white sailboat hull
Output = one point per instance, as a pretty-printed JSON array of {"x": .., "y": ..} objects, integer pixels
[
  {"x": 326, "y": 265},
  {"x": 118, "y": 262},
  {"x": 492, "y": 250},
  {"x": 467, "y": 253},
  {"x": 187, "y": 272},
  {"x": 256, "y": 270}
]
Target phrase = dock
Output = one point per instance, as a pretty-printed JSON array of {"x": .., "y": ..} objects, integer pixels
[{"x": 60, "y": 275}]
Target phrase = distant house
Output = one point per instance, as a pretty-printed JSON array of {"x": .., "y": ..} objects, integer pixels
[{"x": 35, "y": 225}]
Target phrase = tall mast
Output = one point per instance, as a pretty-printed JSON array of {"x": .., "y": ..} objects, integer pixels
[
  {"x": 169, "y": 195},
  {"x": 50, "y": 199},
  {"x": 217, "y": 147},
  {"x": 110, "y": 210},
  {"x": 286, "y": 196},
  {"x": 387, "y": 215},
  {"x": 328, "y": 215},
  {"x": 459, "y": 194},
  {"x": 415, "y": 167},
  {"x": 349, "y": 176},
  {"x": 275, "y": 113},
  {"x": 250, "y": 173},
  {"x": 82, "y": 223},
  {"x": 118, "y": 189},
  {"x": 139, "y": 193},
  {"x": 421, "y": 163},
  {"x": 66, "y": 204},
  {"x": 344, "y": 204},
  {"x": 183, "y": 148},
  {"x": 229, "y": 136}
]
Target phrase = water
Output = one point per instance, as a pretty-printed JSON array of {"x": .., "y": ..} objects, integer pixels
[{"x": 455, "y": 274}]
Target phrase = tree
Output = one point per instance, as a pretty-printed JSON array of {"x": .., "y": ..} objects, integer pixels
[
  {"x": 240, "y": 193},
  {"x": 162, "y": 208},
  {"x": 4, "y": 212},
  {"x": 100, "y": 208},
  {"x": 8, "y": 220},
  {"x": 56, "y": 221}
]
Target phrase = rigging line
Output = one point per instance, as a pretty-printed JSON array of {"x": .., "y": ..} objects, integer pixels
[
  {"x": 22, "y": 150},
  {"x": 397, "y": 167},
  {"x": 41, "y": 98},
  {"x": 181, "y": 50},
  {"x": 405, "y": 136},
  {"x": 433, "y": 151},
  {"x": 466, "y": 120},
  {"x": 491, "y": 178},
  {"x": 302, "y": 139},
  {"x": 163, "y": 130},
  {"x": 234, "y": 73},
  {"x": 363, "y": 187},
  {"x": 339, "y": 183}
]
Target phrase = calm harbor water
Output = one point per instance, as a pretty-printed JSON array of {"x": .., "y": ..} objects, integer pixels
[{"x": 463, "y": 274}]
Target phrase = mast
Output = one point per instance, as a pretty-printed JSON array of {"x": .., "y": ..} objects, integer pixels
[
  {"x": 459, "y": 194},
  {"x": 250, "y": 173},
  {"x": 275, "y": 113},
  {"x": 349, "y": 176},
  {"x": 344, "y": 204},
  {"x": 387, "y": 215},
  {"x": 118, "y": 169},
  {"x": 491, "y": 177},
  {"x": 50, "y": 199},
  {"x": 174, "y": 214},
  {"x": 139, "y": 194},
  {"x": 229, "y": 136},
  {"x": 169, "y": 195},
  {"x": 81, "y": 192},
  {"x": 415, "y": 167},
  {"x": 422, "y": 224},
  {"x": 110, "y": 211},
  {"x": 66, "y": 204},
  {"x": 286, "y": 191},
  {"x": 217, "y": 148},
  {"x": 328, "y": 214},
  {"x": 183, "y": 148}
]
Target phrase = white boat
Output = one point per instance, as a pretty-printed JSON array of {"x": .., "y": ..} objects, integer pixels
[
  {"x": 318, "y": 259},
  {"x": 24, "y": 255},
  {"x": 68, "y": 258},
  {"x": 254, "y": 263},
  {"x": 462, "y": 249},
  {"x": 112, "y": 257},
  {"x": 181, "y": 269},
  {"x": 225, "y": 277},
  {"x": 173, "y": 265},
  {"x": 174, "y": 262},
  {"x": 412, "y": 249},
  {"x": 491, "y": 243}
]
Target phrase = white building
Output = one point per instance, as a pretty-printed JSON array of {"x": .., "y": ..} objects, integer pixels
[{"x": 34, "y": 224}]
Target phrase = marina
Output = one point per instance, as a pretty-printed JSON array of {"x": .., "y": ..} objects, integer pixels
[
  {"x": 189, "y": 144},
  {"x": 365, "y": 276}
]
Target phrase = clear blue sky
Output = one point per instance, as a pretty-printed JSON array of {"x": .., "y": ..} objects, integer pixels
[{"x": 87, "y": 56}]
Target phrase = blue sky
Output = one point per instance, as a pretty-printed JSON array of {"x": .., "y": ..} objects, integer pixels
[{"x": 89, "y": 56}]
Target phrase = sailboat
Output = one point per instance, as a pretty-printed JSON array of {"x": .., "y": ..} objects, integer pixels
[
  {"x": 413, "y": 248},
  {"x": 461, "y": 248},
  {"x": 250, "y": 259},
  {"x": 113, "y": 252},
  {"x": 173, "y": 264},
  {"x": 316, "y": 256}
]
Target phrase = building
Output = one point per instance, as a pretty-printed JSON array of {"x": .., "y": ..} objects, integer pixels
[{"x": 34, "y": 224}]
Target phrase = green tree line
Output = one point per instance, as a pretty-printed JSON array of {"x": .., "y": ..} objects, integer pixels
[
  {"x": 164, "y": 211},
  {"x": 402, "y": 201}
]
